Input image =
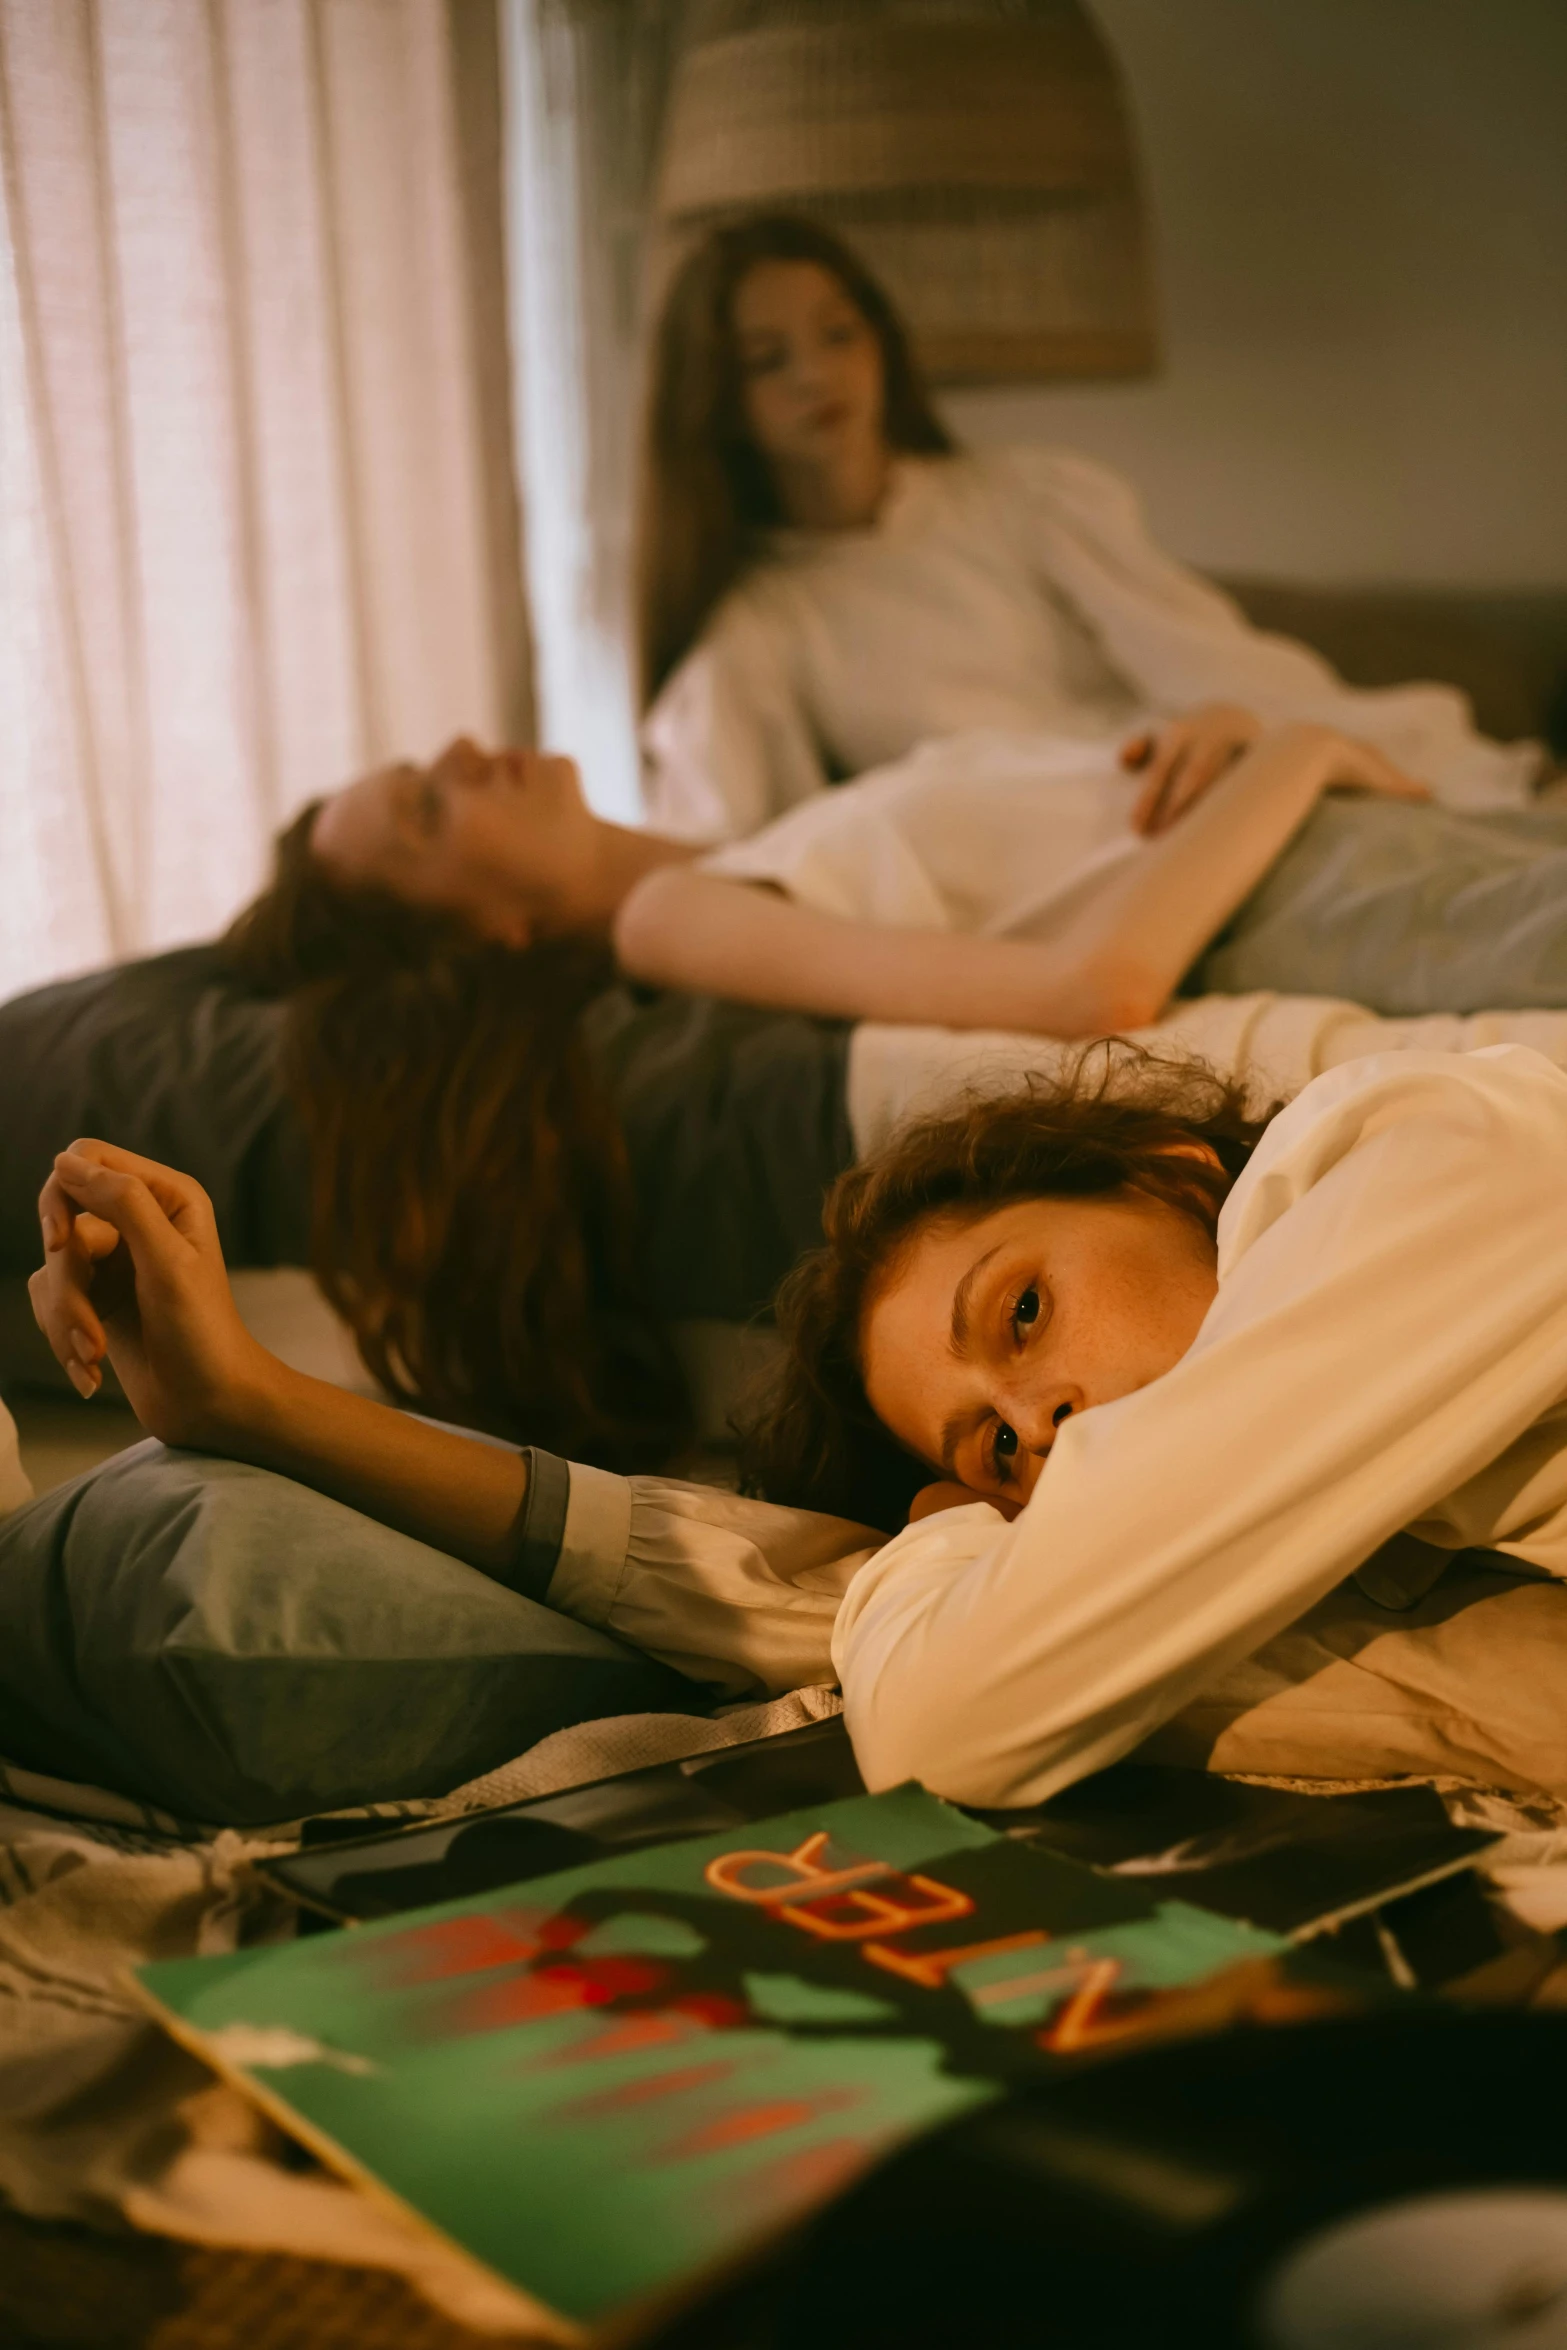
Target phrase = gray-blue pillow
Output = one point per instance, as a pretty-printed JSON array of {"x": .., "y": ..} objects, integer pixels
[{"x": 234, "y": 1647}]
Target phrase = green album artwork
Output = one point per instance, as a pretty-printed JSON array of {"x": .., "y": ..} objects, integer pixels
[{"x": 602, "y": 2081}]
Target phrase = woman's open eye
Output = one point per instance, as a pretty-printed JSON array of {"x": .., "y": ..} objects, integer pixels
[
  {"x": 1003, "y": 1453},
  {"x": 1026, "y": 1311}
]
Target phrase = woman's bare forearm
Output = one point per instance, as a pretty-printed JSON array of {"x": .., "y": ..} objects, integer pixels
[
  {"x": 1113, "y": 966},
  {"x": 454, "y": 1492},
  {"x": 1157, "y": 911},
  {"x": 699, "y": 931}
]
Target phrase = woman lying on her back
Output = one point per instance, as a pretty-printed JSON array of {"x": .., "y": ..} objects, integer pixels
[
  {"x": 1028, "y": 882},
  {"x": 1182, "y": 1374}
]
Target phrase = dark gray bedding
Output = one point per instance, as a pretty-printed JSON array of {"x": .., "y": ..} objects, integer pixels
[
  {"x": 736, "y": 1121},
  {"x": 1406, "y": 909},
  {"x": 169, "y": 1057}
]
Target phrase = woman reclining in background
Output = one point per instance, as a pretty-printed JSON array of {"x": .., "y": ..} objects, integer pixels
[
  {"x": 511, "y": 1175},
  {"x": 1206, "y": 1368},
  {"x": 825, "y": 581}
]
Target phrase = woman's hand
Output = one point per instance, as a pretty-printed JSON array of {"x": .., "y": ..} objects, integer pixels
[
  {"x": 1191, "y": 753},
  {"x": 133, "y": 1270},
  {"x": 947, "y": 1496},
  {"x": 1184, "y": 757},
  {"x": 1356, "y": 766}
]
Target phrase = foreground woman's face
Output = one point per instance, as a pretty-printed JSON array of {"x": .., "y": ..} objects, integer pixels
[
  {"x": 985, "y": 1337},
  {"x": 810, "y": 365},
  {"x": 499, "y": 838}
]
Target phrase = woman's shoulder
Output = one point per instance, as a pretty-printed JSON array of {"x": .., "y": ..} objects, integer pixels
[
  {"x": 743, "y": 639},
  {"x": 1045, "y": 474}
]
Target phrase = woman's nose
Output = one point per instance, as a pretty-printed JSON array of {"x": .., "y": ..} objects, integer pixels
[
  {"x": 1039, "y": 1419},
  {"x": 463, "y": 756},
  {"x": 809, "y": 366}
]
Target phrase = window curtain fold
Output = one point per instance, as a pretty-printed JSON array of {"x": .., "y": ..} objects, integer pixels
[
  {"x": 257, "y": 522},
  {"x": 586, "y": 82}
]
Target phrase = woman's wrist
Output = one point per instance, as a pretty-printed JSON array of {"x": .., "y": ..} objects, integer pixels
[
  {"x": 1304, "y": 753},
  {"x": 262, "y": 1410}
]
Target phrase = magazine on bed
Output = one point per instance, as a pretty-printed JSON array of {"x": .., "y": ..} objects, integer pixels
[
  {"x": 604, "y": 2081},
  {"x": 1297, "y": 1864}
]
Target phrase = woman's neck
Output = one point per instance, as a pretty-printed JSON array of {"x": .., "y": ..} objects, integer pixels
[
  {"x": 843, "y": 495},
  {"x": 619, "y": 856}
]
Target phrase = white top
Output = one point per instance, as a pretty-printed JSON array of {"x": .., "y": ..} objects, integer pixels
[
  {"x": 1387, "y": 1351},
  {"x": 1002, "y": 834},
  {"x": 1014, "y": 589}
]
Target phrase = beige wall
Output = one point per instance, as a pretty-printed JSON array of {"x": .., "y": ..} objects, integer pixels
[{"x": 1360, "y": 210}]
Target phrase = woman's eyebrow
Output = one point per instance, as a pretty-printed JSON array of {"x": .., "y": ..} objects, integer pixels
[{"x": 963, "y": 1302}]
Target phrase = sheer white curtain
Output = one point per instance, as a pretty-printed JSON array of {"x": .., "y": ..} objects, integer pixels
[
  {"x": 585, "y": 83},
  {"x": 256, "y": 522}
]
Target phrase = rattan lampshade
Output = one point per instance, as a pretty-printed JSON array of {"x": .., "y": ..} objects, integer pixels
[{"x": 978, "y": 153}]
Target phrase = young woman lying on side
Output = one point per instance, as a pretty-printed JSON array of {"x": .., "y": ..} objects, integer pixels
[{"x": 1180, "y": 1374}]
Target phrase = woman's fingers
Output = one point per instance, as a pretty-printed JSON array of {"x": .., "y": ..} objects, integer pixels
[
  {"x": 1168, "y": 750},
  {"x": 75, "y": 1245},
  {"x": 1205, "y": 764},
  {"x": 115, "y": 1174},
  {"x": 127, "y": 1205},
  {"x": 944, "y": 1495},
  {"x": 1357, "y": 763},
  {"x": 65, "y": 1314},
  {"x": 1161, "y": 766}
]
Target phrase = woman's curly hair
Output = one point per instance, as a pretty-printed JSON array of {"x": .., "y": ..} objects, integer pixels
[
  {"x": 1113, "y": 1122},
  {"x": 473, "y": 1216}
]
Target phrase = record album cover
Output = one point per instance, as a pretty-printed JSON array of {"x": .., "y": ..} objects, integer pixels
[{"x": 602, "y": 2081}]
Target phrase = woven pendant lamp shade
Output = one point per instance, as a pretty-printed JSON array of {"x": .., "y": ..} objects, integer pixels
[{"x": 977, "y": 153}]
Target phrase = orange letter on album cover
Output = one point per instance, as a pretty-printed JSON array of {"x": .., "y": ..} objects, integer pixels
[
  {"x": 931, "y": 1967},
  {"x": 837, "y": 1904},
  {"x": 1075, "y": 2026}
]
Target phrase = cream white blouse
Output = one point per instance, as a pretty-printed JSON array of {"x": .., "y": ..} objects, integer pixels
[
  {"x": 1387, "y": 1352},
  {"x": 1014, "y": 589}
]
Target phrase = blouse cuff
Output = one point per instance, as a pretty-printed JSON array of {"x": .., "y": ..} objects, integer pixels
[
  {"x": 591, "y": 1544},
  {"x": 541, "y": 1522}
]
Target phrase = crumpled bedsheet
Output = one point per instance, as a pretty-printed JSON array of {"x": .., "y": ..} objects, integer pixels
[{"x": 104, "y": 2119}]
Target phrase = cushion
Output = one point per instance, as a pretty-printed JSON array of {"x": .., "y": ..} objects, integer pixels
[
  {"x": 237, "y": 1648},
  {"x": 171, "y": 1057}
]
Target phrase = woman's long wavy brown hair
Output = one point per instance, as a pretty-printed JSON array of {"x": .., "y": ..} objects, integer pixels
[
  {"x": 1114, "y": 1122},
  {"x": 706, "y": 492},
  {"x": 472, "y": 1210}
]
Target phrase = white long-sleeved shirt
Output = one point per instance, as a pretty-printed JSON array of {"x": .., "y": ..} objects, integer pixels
[
  {"x": 1387, "y": 1351},
  {"x": 1010, "y": 589}
]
